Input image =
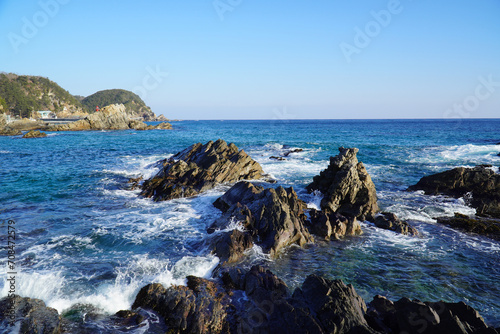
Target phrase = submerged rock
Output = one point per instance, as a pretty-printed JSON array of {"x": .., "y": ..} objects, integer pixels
[
  {"x": 482, "y": 226},
  {"x": 389, "y": 221},
  {"x": 297, "y": 150},
  {"x": 29, "y": 315},
  {"x": 200, "y": 168},
  {"x": 273, "y": 218},
  {"x": 479, "y": 185},
  {"x": 35, "y": 134},
  {"x": 347, "y": 187}
]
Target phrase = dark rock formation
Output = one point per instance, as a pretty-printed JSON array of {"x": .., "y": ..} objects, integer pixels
[
  {"x": 482, "y": 226},
  {"x": 414, "y": 316},
  {"x": 112, "y": 117},
  {"x": 230, "y": 246},
  {"x": 200, "y": 307},
  {"x": 297, "y": 150},
  {"x": 347, "y": 187},
  {"x": 389, "y": 221},
  {"x": 274, "y": 217},
  {"x": 33, "y": 315},
  {"x": 277, "y": 158},
  {"x": 319, "y": 306},
  {"x": 35, "y": 134},
  {"x": 333, "y": 225},
  {"x": 480, "y": 186},
  {"x": 199, "y": 168}
]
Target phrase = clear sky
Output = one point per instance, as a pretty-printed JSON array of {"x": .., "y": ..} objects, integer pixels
[{"x": 256, "y": 59}]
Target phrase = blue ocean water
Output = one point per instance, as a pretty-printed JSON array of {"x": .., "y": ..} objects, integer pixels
[{"x": 84, "y": 239}]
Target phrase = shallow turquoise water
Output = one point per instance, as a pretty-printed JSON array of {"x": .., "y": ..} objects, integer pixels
[{"x": 83, "y": 238}]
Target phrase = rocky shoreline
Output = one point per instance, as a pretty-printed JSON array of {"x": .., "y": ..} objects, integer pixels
[
  {"x": 112, "y": 117},
  {"x": 241, "y": 300}
]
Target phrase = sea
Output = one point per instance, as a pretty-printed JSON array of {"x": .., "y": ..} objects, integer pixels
[{"x": 85, "y": 243}]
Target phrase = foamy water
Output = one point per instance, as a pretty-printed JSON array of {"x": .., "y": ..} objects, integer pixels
[{"x": 84, "y": 238}]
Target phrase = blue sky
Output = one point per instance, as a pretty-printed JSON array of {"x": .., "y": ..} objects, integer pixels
[{"x": 242, "y": 59}]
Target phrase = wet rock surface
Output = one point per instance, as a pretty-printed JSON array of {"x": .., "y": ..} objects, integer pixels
[
  {"x": 333, "y": 225},
  {"x": 347, "y": 187},
  {"x": 479, "y": 185},
  {"x": 200, "y": 168},
  {"x": 483, "y": 226},
  {"x": 271, "y": 218},
  {"x": 389, "y": 221},
  {"x": 28, "y": 316}
]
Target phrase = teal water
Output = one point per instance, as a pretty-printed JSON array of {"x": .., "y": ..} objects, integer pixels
[{"x": 84, "y": 239}]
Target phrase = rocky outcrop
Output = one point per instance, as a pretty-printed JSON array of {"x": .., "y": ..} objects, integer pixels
[
  {"x": 161, "y": 126},
  {"x": 333, "y": 225},
  {"x": 272, "y": 218},
  {"x": 199, "y": 168},
  {"x": 414, "y": 316},
  {"x": 199, "y": 307},
  {"x": 35, "y": 134},
  {"x": 112, "y": 117},
  {"x": 256, "y": 302},
  {"x": 347, "y": 187},
  {"x": 31, "y": 315},
  {"x": 6, "y": 130},
  {"x": 480, "y": 186},
  {"x": 482, "y": 226},
  {"x": 389, "y": 221}
]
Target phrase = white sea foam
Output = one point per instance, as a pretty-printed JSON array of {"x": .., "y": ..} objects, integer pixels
[
  {"x": 420, "y": 207},
  {"x": 115, "y": 295},
  {"x": 295, "y": 168},
  {"x": 5, "y": 152},
  {"x": 458, "y": 155}
]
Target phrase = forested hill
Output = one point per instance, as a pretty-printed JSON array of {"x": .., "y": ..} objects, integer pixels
[
  {"x": 133, "y": 103},
  {"x": 22, "y": 94}
]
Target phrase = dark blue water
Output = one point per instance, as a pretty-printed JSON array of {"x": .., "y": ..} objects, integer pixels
[{"x": 84, "y": 239}]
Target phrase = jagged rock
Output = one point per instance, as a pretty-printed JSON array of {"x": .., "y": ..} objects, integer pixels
[
  {"x": 389, "y": 221},
  {"x": 482, "y": 226},
  {"x": 277, "y": 158},
  {"x": 32, "y": 314},
  {"x": 257, "y": 301},
  {"x": 230, "y": 246},
  {"x": 414, "y": 316},
  {"x": 274, "y": 218},
  {"x": 297, "y": 150},
  {"x": 199, "y": 168},
  {"x": 337, "y": 307},
  {"x": 35, "y": 134},
  {"x": 200, "y": 307},
  {"x": 112, "y": 117},
  {"x": 333, "y": 225},
  {"x": 347, "y": 187},
  {"x": 480, "y": 185}
]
